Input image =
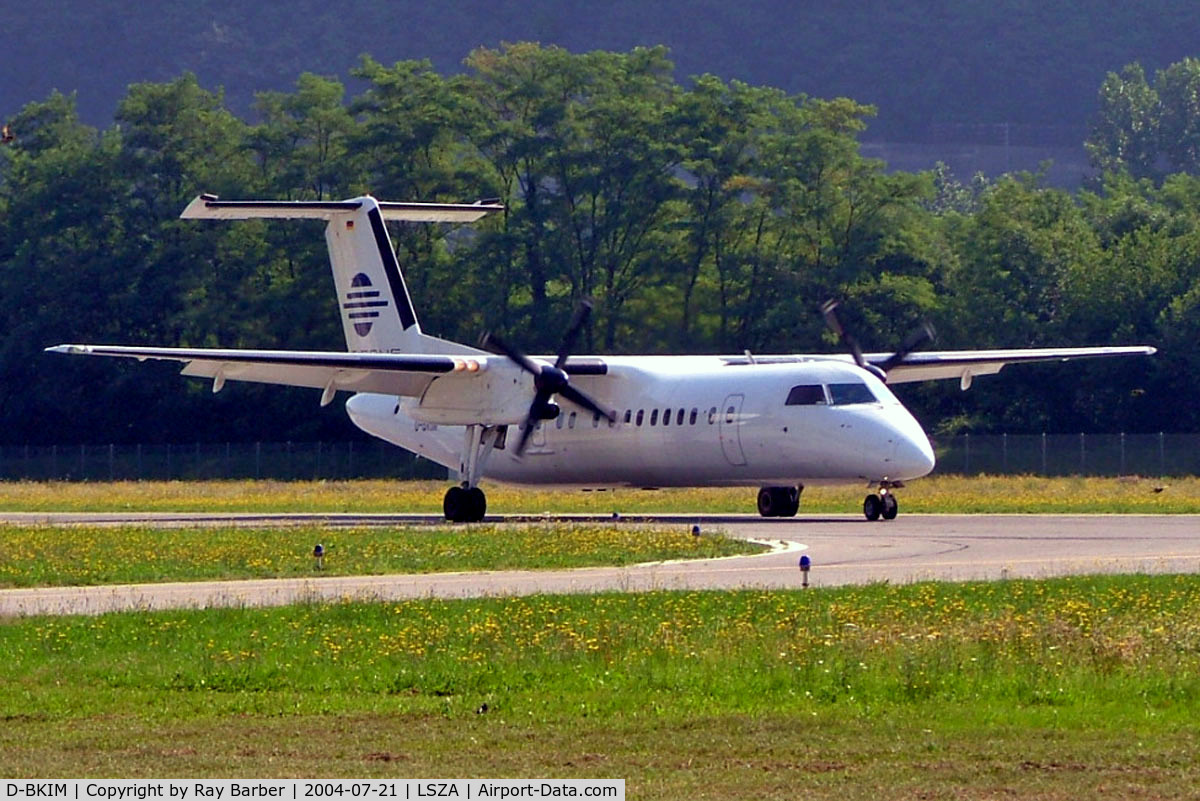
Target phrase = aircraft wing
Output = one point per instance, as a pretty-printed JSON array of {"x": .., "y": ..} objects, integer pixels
[
  {"x": 389, "y": 373},
  {"x": 966, "y": 364}
]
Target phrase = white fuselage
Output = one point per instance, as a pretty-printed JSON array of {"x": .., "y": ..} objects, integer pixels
[{"x": 693, "y": 421}]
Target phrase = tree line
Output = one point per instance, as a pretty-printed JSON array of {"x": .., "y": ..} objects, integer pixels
[{"x": 711, "y": 216}]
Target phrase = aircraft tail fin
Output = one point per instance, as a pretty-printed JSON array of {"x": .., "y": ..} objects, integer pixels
[{"x": 376, "y": 308}]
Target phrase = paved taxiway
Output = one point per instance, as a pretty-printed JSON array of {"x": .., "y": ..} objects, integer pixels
[{"x": 843, "y": 550}]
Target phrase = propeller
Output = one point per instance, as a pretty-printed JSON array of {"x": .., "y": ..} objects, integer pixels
[
  {"x": 924, "y": 333},
  {"x": 549, "y": 381},
  {"x": 829, "y": 311}
]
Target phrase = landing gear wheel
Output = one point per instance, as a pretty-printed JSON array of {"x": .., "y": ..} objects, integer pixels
[
  {"x": 891, "y": 507},
  {"x": 873, "y": 507},
  {"x": 778, "y": 501},
  {"x": 477, "y": 504},
  {"x": 766, "y": 502},
  {"x": 463, "y": 505},
  {"x": 454, "y": 504},
  {"x": 793, "y": 501}
]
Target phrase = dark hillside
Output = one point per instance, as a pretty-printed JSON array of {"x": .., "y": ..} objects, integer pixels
[{"x": 938, "y": 70}]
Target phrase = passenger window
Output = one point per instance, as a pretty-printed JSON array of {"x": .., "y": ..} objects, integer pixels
[
  {"x": 679, "y": 417},
  {"x": 639, "y": 416},
  {"x": 692, "y": 418},
  {"x": 571, "y": 420},
  {"x": 729, "y": 415},
  {"x": 712, "y": 415},
  {"x": 666, "y": 417},
  {"x": 845, "y": 394},
  {"x": 628, "y": 415},
  {"x": 654, "y": 417},
  {"x": 558, "y": 421},
  {"x": 806, "y": 395}
]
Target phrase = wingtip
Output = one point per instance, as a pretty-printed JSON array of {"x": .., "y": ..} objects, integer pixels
[{"x": 195, "y": 209}]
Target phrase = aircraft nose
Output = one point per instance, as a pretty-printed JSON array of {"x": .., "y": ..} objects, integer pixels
[{"x": 914, "y": 455}]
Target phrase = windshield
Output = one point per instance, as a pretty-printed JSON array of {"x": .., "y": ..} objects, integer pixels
[
  {"x": 845, "y": 394},
  {"x": 806, "y": 395}
]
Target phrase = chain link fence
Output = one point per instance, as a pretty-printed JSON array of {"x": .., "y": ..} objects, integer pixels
[
  {"x": 1069, "y": 454},
  {"x": 965, "y": 454}
]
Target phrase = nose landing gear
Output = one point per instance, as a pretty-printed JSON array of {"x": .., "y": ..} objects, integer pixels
[{"x": 883, "y": 505}]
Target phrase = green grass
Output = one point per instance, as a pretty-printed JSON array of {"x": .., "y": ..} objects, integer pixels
[
  {"x": 89, "y": 554},
  {"x": 1052, "y": 689},
  {"x": 1082, "y": 687},
  {"x": 937, "y": 494}
]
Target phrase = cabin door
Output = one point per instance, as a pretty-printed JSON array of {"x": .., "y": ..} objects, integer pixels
[{"x": 729, "y": 425}]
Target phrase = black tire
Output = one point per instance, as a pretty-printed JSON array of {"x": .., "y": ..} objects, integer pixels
[
  {"x": 463, "y": 505},
  {"x": 778, "y": 501},
  {"x": 792, "y": 496},
  {"x": 872, "y": 507},
  {"x": 476, "y": 505},
  {"x": 891, "y": 507},
  {"x": 454, "y": 505},
  {"x": 766, "y": 502}
]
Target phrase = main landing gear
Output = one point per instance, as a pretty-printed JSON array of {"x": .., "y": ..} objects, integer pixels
[
  {"x": 884, "y": 505},
  {"x": 779, "y": 501},
  {"x": 466, "y": 503}
]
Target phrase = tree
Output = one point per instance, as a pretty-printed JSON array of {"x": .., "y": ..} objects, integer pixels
[
  {"x": 578, "y": 144},
  {"x": 1178, "y": 89},
  {"x": 716, "y": 126},
  {"x": 176, "y": 139},
  {"x": 301, "y": 145},
  {"x": 1125, "y": 132}
]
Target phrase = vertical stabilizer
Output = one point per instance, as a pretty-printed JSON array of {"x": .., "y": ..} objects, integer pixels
[{"x": 377, "y": 311}]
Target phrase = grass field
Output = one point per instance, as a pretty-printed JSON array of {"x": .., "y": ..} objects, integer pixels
[
  {"x": 938, "y": 494},
  {"x": 36, "y": 556},
  {"x": 1058, "y": 689},
  {"x": 1069, "y": 688}
]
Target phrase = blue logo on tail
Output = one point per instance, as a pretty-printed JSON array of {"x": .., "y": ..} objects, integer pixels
[{"x": 361, "y": 303}]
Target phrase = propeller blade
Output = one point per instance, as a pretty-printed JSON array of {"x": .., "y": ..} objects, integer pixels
[
  {"x": 828, "y": 309},
  {"x": 532, "y": 418},
  {"x": 924, "y": 333},
  {"x": 495, "y": 344},
  {"x": 577, "y": 323},
  {"x": 548, "y": 381},
  {"x": 580, "y": 399},
  {"x": 526, "y": 433}
]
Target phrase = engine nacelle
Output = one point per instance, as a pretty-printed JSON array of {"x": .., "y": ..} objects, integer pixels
[{"x": 496, "y": 396}]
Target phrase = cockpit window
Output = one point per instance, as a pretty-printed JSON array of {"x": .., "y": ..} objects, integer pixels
[
  {"x": 806, "y": 395},
  {"x": 843, "y": 394}
]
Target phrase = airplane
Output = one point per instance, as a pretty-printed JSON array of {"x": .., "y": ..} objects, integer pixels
[{"x": 777, "y": 422}]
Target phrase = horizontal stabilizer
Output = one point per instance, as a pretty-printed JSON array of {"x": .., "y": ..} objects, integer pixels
[{"x": 210, "y": 207}]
